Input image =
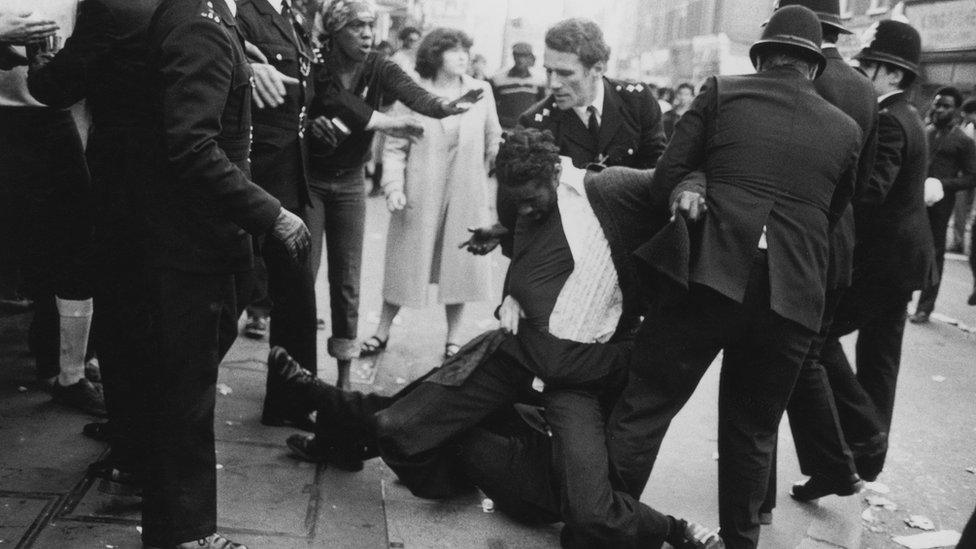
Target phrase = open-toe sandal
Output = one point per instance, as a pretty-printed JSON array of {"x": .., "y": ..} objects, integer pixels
[{"x": 373, "y": 346}]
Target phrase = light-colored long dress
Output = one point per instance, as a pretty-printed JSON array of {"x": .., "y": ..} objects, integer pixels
[{"x": 444, "y": 177}]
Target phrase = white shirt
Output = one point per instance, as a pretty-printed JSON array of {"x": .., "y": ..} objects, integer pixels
[
  {"x": 277, "y": 5},
  {"x": 233, "y": 7},
  {"x": 597, "y": 104},
  {"x": 589, "y": 305}
]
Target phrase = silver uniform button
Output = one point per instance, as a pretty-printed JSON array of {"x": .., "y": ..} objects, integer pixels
[{"x": 278, "y": 57}]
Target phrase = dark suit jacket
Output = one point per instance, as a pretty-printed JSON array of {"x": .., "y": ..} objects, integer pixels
[
  {"x": 631, "y": 134},
  {"x": 104, "y": 63},
  {"x": 852, "y": 93},
  {"x": 278, "y": 161},
  {"x": 203, "y": 204},
  {"x": 894, "y": 240},
  {"x": 778, "y": 155}
]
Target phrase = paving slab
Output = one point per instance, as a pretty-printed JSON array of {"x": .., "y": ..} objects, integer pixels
[
  {"x": 457, "y": 522},
  {"x": 22, "y": 513}
]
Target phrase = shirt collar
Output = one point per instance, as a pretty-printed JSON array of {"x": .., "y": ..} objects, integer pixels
[
  {"x": 881, "y": 98},
  {"x": 232, "y": 6},
  {"x": 572, "y": 177},
  {"x": 596, "y": 103}
]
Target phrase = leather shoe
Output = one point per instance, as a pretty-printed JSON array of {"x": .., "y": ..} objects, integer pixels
[
  {"x": 920, "y": 317},
  {"x": 115, "y": 481},
  {"x": 82, "y": 395},
  {"x": 972, "y": 298},
  {"x": 279, "y": 409},
  {"x": 765, "y": 518},
  {"x": 101, "y": 431},
  {"x": 817, "y": 487},
  {"x": 308, "y": 448}
]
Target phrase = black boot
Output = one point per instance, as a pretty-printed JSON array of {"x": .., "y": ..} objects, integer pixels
[{"x": 289, "y": 395}]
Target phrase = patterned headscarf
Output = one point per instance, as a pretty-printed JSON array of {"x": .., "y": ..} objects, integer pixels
[{"x": 336, "y": 14}]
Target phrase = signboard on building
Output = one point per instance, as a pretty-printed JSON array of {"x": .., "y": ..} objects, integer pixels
[{"x": 945, "y": 26}]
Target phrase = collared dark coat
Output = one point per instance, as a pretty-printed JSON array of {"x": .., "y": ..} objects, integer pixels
[
  {"x": 278, "y": 159},
  {"x": 776, "y": 155},
  {"x": 852, "y": 93},
  {"x": 631, "y": 133},
  {"x": 203, "y": 204},
  {"x": 894, "y": 240}
]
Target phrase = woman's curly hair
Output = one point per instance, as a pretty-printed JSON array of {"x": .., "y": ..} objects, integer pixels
[
  {"x": 527, "y": 154},
  {"x": 430, "y": 52}
]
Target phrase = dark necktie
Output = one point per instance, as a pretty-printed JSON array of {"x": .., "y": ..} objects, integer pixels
[
  {"x": 294, "y": 19},
  {"x": 593, "y": 125}
]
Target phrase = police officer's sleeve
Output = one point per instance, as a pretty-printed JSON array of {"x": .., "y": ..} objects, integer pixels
[
  {"x": 887, "y": 161},
  {"x": 652, "y": 138},
  {"x": 66, "y": 79},
  {"x": 686, "y": 151},
  {"x": 196, "y": 74}
]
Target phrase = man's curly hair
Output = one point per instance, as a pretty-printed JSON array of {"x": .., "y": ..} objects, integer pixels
[{"x": 526, "y": 155}]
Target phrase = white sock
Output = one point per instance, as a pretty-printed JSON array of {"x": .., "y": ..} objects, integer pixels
[{"x": 75, "y": 323}]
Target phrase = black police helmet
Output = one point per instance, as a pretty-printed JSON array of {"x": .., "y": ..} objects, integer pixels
[
  {"x": 828, "y": 11},
  {"x": 794, "y": 28},
  {"x": 892, "y": 42}
]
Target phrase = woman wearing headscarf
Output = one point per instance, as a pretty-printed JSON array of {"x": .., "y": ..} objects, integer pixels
[
  {"x": 351, "y": 83},
  {"x": 435, "y": 187}
]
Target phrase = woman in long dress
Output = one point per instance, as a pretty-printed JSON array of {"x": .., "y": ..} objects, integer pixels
[{"x": 436, "y": 186}]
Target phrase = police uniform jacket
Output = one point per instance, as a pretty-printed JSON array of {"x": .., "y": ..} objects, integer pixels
[
  {"x": 631, "y": 133},
  {"x": 852, "y": 93},
  {"x": 778, "y": 158},
  {"x": 278, "y": 161},
  {"x": 203, "y": 204},
  {"x": 104, "y": 63},
  {"x": 894, "y": 241}
]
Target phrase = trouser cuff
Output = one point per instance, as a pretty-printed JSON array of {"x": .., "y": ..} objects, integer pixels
[{"x": 343, "y": 349}]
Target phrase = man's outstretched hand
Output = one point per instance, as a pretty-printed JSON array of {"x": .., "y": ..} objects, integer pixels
[
  {"x": 484, "y": 239},
  {"x": 292, "y": 232},
  {"x": 463, "y": 103}
]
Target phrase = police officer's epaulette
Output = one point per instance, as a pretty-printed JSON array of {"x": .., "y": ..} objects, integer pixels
[
  {"x": 628, "y": 87},
  {"x": 543, "y": 109},
  {"x": 207, "y": 11}
]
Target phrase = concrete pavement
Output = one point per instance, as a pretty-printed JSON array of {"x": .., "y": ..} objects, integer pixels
[{"x": 268, "y": 499}]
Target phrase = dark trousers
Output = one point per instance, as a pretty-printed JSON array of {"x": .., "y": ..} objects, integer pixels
[
  {"x": 676, "y": 344},
  {"x": 46, "y": 218},
  {"x": 939, "y": 214},
  {"x": 289, "y": 290},
  {"x": 194, "y": 324},
  {"x": 596, "y": 514},
  {"x": 505, "y": 457},
  {"x": 123, "y": 337},
  {"x": 819, "y": 438},
  {"x": 865, "y": 401},
  {"x": 417, "y": 435},
  {"x": 338, "y": 211}
]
